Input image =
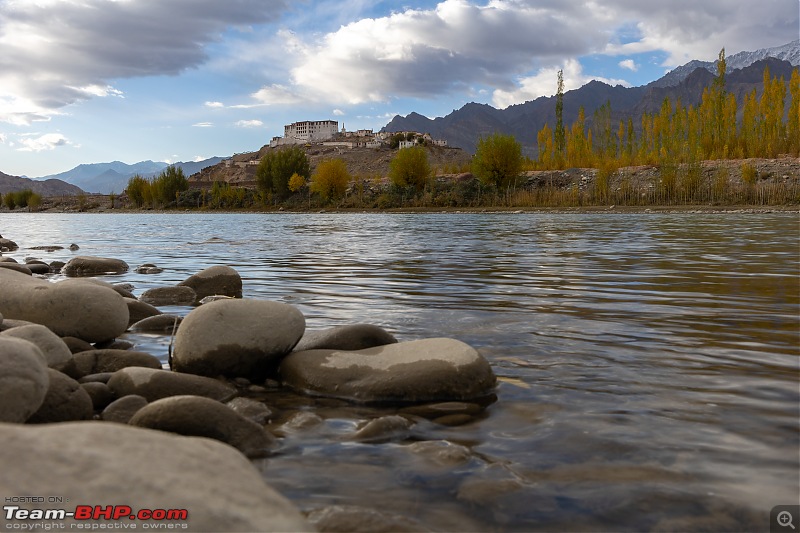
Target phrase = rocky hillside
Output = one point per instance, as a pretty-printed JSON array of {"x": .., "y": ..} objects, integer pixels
[{"x": 50, "y": 187}]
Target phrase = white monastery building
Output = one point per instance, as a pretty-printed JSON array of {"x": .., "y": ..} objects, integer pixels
[{"x": 316, "y": 130}]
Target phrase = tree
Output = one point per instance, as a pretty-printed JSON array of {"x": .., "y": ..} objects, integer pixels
[
  {"x": 330, "y": 179},
  {"x": 278, "y": 166},
  {"x": 138, "y": 189},
  {"x": 296, "y": 182},
  {"x": 169, "y": 183},
  {"x": 498, "y": 160},
  {"x": 560, "y": 138},
  {"x": 10, "y": 201},
  {"x": 410, "y": 167},
  {"x": 34, "y": 201}
]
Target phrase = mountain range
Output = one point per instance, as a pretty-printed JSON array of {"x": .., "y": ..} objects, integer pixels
[
  {"x": 49, "y": 187},
  {"x": 463, "y": 127}
]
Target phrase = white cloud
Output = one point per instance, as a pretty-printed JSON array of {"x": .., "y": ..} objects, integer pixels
[
  {"x": 2, "y": 138},
  {"x": 203, "y": 125},
  {"x": 249, "y": 124},
  {"x": 629, "y": 64},
  {"x": 214, "y": 105},
  {"x": 545, "y": 83},
  {"x": 48, "y": 141},
  {"x": 276, "y": 95},
  {"x": 338, "y": 113}
]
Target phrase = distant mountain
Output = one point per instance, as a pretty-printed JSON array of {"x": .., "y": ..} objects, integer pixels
[
  {"x": 463, "y": 127},
  {"x": 106, "y": 178},
  {"x": 50, "y": 187}
]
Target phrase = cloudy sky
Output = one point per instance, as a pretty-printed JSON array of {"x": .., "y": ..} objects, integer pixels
[{"x": 178, "y": 80}]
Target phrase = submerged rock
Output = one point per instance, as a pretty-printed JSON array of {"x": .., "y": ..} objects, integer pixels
[
  {"x": 71, "y": 308},
  {"x": 111, "y": 463},
  {"x": 351, "y": 337},
  {"x": 202, "y": 417},
  {"x": 149, "y": 268},
  {"x": 425, "y": 370},
  {"x": 23, "y": 379},
  {"x": 87, "y": 265},
  {"x": 355, "y": 519},
  {"x": 222, "y": 280},
  {"x": 236, "y": 338}
]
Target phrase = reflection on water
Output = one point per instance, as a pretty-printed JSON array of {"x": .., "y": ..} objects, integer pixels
[{"x": 648, "y": 363}]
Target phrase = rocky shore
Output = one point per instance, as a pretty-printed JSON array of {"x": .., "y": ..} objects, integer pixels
[{"x": 86, "y": 415}]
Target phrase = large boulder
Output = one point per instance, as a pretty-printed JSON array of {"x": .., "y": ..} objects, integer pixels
[
  {"x": 138, "y": 311},
  {"x": 86, "y": 265},
  {"x": 156, "y": 384},
  {"x": 23, "y": 379},
  {"x": 73, "y": 308},
  {"x": 222, "y": 280},
  {"x": 159, "y": 296},
  {"x": 16, "y": 267},
  {"x": 236, "y": 338},
  {"x": 7, "y": 245},
  {"x": 350, "y": 337},
  {"x": 112, "y": 464},
  {"x": 195, "y": 416},
  {"x": 424, "y": 370},
  {"x": 107, "y": 360},
  {"x": 55, "y": 350},
  {"x": 65, "y": 401}
]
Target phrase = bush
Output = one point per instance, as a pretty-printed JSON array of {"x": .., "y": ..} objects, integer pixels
[
  {"x": 10, "y": 201},
  {"x": 498, "y": 160},
  {"x": 169, "y": 184},
  {"x": 330, "y": 179},
  {"x": 138, "y": 189},
  {"x": 410, "y": 168},
  {"x": 278, "y": 166}
]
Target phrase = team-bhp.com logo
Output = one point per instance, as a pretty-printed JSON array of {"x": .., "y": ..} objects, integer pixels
[{"x": 120, "y": 515}]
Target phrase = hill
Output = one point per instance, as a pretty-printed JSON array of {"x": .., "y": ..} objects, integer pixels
[{"x": 50, "y": 187}]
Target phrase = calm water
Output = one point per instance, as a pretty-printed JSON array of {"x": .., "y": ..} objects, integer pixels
[{"x": 648, "y": 363}]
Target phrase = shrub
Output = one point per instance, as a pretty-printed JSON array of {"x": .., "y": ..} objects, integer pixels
[
  {"x": 330, "y": 179},
  {"x": 410, "y": 168},
  {"x": 278, "y": 166},
  {"x": 498, "y": 160}
]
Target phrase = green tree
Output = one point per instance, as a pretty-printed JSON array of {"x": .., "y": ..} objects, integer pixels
[
  {"x": 410, "y": 168},
  {"x": 278, "y": 166},
  {"x": 560, "y": 136},
  {"x": 169, "y": 184},
  {"x": 498, "y": 160},
  {"x": 138, "y": 189},
  {"x": 34, "y": 201},
  {"x": 10, "y": 201},
  {"x": 330, "y": 179}
]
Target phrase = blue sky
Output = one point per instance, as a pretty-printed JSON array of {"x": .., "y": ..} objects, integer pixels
[{"x": 86, "y": 81}]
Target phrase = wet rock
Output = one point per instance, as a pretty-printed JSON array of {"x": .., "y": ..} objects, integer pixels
[
  {"x": 138, "y": 311},
  {"x": 169, "y": 296},
  {"x": 50, "y": 249},
  {"x": 23, "y": 379},
  {"x": 440, "y": 409},
  {"x": 352, "y": 337},
  {"x": 56, "y": 266},
  {"x": 156, "y": 384},
  {"x": 99, "y": 393},
  {"x": 38, "y": 267},
  {"x": 74, "y": 247},
  {"x": 425, "y": 370},
  {"x": 71, "y": 308},
  {"x": 53, "y": 348},
  {"x": 123, "y": 409},
  {"x": 86, "y": 265},
  {"x": 442, "y": 452},
  {"x": 202, "y": 417},
  {"x": 149, "y": 268},
  {"x": 16, "y": 267},
  {"x": 383, "y": 429},
  {"x": 108, "y": 360},
  {"x": 251, "y": 410},
  {"x": 300, "y": 421},
  {"x": 7, "y": 245},
  {"x": 454, "y": 420},
  {"x": 209, "y": 299},
  {"x": 77, "y": 345},
  {"x": 65, "y": 401},
  {"x": 355, "y": 519},
  {"x": 157, "y": 324},
  {"x": 235, "y": 338},
  {"x": 220, "y": 279},
  {"x": 222, "y": 490}
]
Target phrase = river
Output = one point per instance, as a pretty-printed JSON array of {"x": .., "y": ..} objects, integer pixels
[{"x": 647, "y": 363}]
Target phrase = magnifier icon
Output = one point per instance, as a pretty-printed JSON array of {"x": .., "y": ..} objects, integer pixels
[{"x": 785, "y": 519}]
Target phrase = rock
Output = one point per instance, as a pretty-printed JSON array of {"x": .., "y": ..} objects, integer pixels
[
  {"x": 86, "y": 265},
  {"x": 56, "y": 266},
  {"x": 433, "y": 411},
  {"x": 55, "y": 351},
  {"x": 16, "y": 267},
  {"x": 77, "y": 345},
  {"x": 169, "y": 296},
  {"x": 7, "y": 259},
  {"x": 383, "y": 429},
  {"x": 251, "y": 410},
  {"x": 209, "y": 299},
  {"x": 222, "y": 280},
  {"x": 123, "y": 409},
  {"x": 441, "y": 452},
  {"x": 235, "y": 338},
  {"x": 100, "y": 377},
  {"x": 107, "y": 360},
  {"x": 219, "y": 487},
  {"x": 353, "y": 337},
  {"x": 114, "y": 344},
  {"x": 7, "y": 245},
  {"x": 51, "y": 248},
  {"x": 426, "y": 370},
  {"x": 74, "y": 247},
  {"x": 203, "y": 417},
  {"x": 355, "y": 519},
  {"x": 138, "y": 311},
  {"x": 99, "y": 393},
  {"x": 23, "y": 379},
  {"x": 71, "y": 308},
  {"x": 38, "y": 267},
  {"x": 157, "y": 324},
  {"x": 65, "y": 401},
  {"x": 11, "y": 324},
  {"x": 156, "y": 384},
  {"x": 149, "y": 268}
]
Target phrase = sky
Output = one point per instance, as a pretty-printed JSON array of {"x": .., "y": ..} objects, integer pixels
[{"x": 86, "y": 81}]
